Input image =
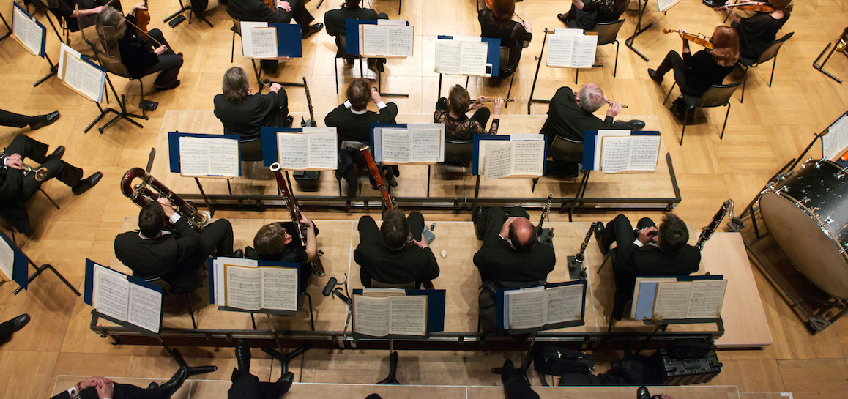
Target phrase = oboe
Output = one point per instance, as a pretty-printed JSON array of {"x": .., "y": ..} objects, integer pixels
[{"x": 610, "y": 103}]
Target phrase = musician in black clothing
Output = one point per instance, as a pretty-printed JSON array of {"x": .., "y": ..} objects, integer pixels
[
  {"x": 12, "y": 119},
  {"x": 243, "y": 112},
  {"x": 78, "y": 13},
  {"x": 451, "y": 111},
  {"x": 140, "y": 57},
  {"x": 695, "y": 73},
  {"x": 570, "y": 114},
  {"x": 588, "y": 14},
  {"x": 175, "y": 256},
  {"x": 281, "y": 242},
  {"x": 335, "y": 21},
  {"x": 646, "y": 252},
  {"x": 395, "y": 253},
  {"x": 756, "y": 33},
  {"x": 510, "y": 250},
  {"x": 497, "y": 23}
]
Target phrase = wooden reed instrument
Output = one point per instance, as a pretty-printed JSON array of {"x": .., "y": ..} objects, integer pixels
[
  {"x": 311, "y": 121},
  {"x": 388, "y": 201},
  {"x": 610, "y": 103},
  {"x": 143, "y": 193},
  {"x": 491, "y": 100},
  {"x": 691, "y": 37},
  {"x": 294, "y": 211}
]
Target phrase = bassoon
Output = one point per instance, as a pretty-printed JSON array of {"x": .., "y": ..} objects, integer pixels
[
  {"x": 388, "y": 200},
  {"x": 294, "y": 210}
]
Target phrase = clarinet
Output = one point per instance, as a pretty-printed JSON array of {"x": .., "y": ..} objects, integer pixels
[
  {"x": 707, "y": 232},
  {"x": 294, "y": 210},
  {"x": 388, "y": 200},
  {"x": 311, "y": 122},
  {"x": 545, "y": 212}
]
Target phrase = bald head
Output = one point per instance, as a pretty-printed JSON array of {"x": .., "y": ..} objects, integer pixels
[{"x": 522, "y": 234}]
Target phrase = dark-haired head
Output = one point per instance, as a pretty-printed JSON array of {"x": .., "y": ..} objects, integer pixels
[
  {"x": 395, "y": 229},
  {"x": 359, "y": 93},
  {"x": 459, "y": 100},
  {"x": 502, "y": 11},
  {"x": 151, "y": 219},
  {"x": 673, "y": 234},
  {"x": 271, "y": 239}
]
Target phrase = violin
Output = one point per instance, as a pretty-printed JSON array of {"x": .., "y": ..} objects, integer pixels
[
  {"x": 272, "y": 4},
  {"x": 142, "y": 19},
  {"x": 694, "y": 38}
]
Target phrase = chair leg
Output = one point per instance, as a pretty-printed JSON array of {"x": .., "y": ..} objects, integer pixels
[
  {"x": 509, "y": 91},
  {"x": 773, "y": 65},
  {"x": 685, "y": 118},
  {"x": 576, "y": 75},
  {"x": 141, "y": 88},
  {"x": 615, "y": 70},
  {"x": 311, "y": 312},
  {"x": 669, "y": 92},
  {"x": 233, "y": 48},
  {"x": 336, "y": 69},
  {"x": 48, "y": 197},
  {"x": 744, "y": 83},
  {"x": 725, "y": 121},
  {"x": 191, "y": 311}
]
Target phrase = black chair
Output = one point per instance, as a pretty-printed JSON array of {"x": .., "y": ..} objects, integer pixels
[
  {"x": 168, "y": 290},
  {"x": 341, "y": 45},
  {"x": 236, "y": 31},
  {"x": 251, "y": 151},
  {"x": 769, "y": 54},
  {"x": 565, "y": 150},
  {"x": 716, "y": 96},
  {"x": 607, "y": 34},
  {"x": 109, "y": 57},
  {"x": 458, "y": 152}
]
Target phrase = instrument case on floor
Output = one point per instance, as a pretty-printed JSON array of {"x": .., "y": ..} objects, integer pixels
[
  {"x": 307, "y": 181},
  {"x": 689, "y": 371}
]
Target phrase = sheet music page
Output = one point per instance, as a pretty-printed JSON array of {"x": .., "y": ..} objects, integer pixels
[
  {"x": 371, "y": 316},
  {"x": 399, "y": 41},
  {"x": 526, "y": 309},
  {"x": 7, "y": 258},
  {"x": 528, "y": 157},
  {"x": 473, "y": 59},
  {"x": 672, "y": 300},
  {"x": 223, "y": 157},
  {"x": 615, "y": 154},
  {"x": 219, "y": 265},
  {"x": 27, "y": 31},
  {"x": 498, "y": 160},
  {"x": 293, "y": 150},
  {"x": 426, "y": 146},
  {"x": 447, "y": 56},
  {"x": 583, "y": 52},
  {"x": 375, "y": 40},
  {"x": 113, "y": 294},
  {"x": 707, "y": 299},
  {"x": 408, "y": 315},
  {"x": 145, "y": 308},
  {"x": 323, "y": 151},
  {"x": 247, "y": 40},
  {"x": 194, "y": 156},
  {"x": 264, "y": 42},
  {"x": 395, "y": 145},
  {"x": 391, "y": 22},
  {"x": 644, "y": 152},
  {"x": 93, "y": 81},
  {"x": 664, "y": 5},
  {"x": 568, "y": 31},
  {"x": 560, "y": 48},
  {"x": 836, "y": 139},
  {"x": 564, "y": 303},
  {"x": 279, "y": 288},
  {"x": 244, "y": 287},
  {"x": 413, "y": 127},
  {"x": 599, "y": 140}
]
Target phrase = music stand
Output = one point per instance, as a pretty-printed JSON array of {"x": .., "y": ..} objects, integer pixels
[
  {"x": 177, "y": 18},
  {"x": 40, "y": 52},
  {"x": 20, "y": 263},
  {"x": 9, "y": 28},
  {"x": 819, "y": 67},
  {"x": 639, "y": 29},
  {"x": 352, "y": 32}
]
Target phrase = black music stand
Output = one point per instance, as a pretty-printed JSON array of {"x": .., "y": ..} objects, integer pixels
[
  {"x": 639, "y": 29},
  {"x": 9, "y": 32},
  {"x": 536, "y": 76},
  {"x": 122, "y": 114},
  {"x": 177, "y": 18},
  {"x": 38, "y": 269},
  {"x": 816, "y": 65}
]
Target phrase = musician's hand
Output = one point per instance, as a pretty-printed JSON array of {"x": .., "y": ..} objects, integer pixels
[
  {"x": 505, "y": 228},
  {"x": 681, "y": 33},
  {"x": 14, "y": 161},
  {"x": 105, "y": 388},
  {"x": 477, "y": 104},
  {"x": 87, "y": 383},
  {"x": 375, "y": 96},
  {"x": 160, "y": 50},
  {"x": 284, "y": 4},
  {"x": 275, "y": 87},
  {"x": 166, "y": 206},
  {"x": 249, "y": 90},
  {"x": 96, "y": 10},
  {"x": 498, "y": 106},
  {"x": 614, "y": 109},
  {"x": 139, "y": 6},
  {"x": 644, "y": 238},
  {"x": 422, "y": 243},
  {"x": 527, "y": 26},
  {"x": 306, "y": 222}
]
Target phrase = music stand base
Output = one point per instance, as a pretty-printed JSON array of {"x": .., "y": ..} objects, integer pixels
[
  {"x": 53, "y": 71},
  {"x": 820, "y": 67},
  {"x": 576, "y": 271},
  {"x": 42, "y": 268},
  {"x": 391, "y": 379},
  {"x": 118, "y": 115}
]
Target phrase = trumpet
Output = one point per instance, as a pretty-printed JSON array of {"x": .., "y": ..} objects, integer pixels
[
  {"x": 40, "y": 172},
  {"x": 842, "y": 44},
  {"x": 610, "y": 103},
  {"x": 142, "y": 194}
]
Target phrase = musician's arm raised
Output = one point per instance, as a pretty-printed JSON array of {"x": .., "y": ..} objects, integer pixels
[{"x": 311, "y": 244}]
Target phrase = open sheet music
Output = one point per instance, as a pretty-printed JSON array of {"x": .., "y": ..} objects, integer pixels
[
  {"x": 666, "y": 298},
  {"x": 385, "y": 40},
  {"x": 7, "y": 258},
  {"x": 315, "y": 148},
  {"x": 115, "y": 296},
  {"x": 381, "y": 315},
  {"x": 257, "y": 287},
  {"x": 518, "y": 158},
  {"x": 28, "y": 31},
  {"x": 636, "y": 153},
  {"x": 570, "y": 48},
  {"x": 264, "y": 42},
  {"x": 664, "y": 5},
  {"x": 539, "y": 306},
  {"x": 420, "y": 145},
  {"x": 208, "y": 156},
  {"x": 461, "y": 57},
  {"x": 836, "y": 139},
  {"x": 81, "y": 76}
]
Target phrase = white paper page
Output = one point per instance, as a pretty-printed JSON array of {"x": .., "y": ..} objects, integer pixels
[
  {"x": 672, "y": 300},
  {"x": 477, "y": 39},
  {"x": 112, "y": 290},
  {"x": 323, "y": 151},
  {"x": 526, "y": 137},
  {"x": 74, "y": 73},
  {"x": 371, "y": 316},
  {"x": 293, "y": 150},
  {"x": 374, "y": 39},
  {"x": 246, "y": 39},
  {"x": 395, "y": 146},
  {"x": 219, "y": 265},
  {"x": 836, "y": 139},
  {"x": 223, "y": 157},
  {"x": 528, "y": 157},
  {"x": 560, "y": 48},
  {"x": 600, "y": 138},
  {"x": 426, "y": 146},
  {"x": 473, "y": 60},
  {"x": 93, "y": 82},
  {"x": 583, "y": 52},
  {"x": 391, "y": 22},
  {"x": 447, "y": 56},
  {"x": 264, "y": 42},
  {"x": 27, "y": 31},
  {"x": 564, "y": 303},
  {"x": 279, "y": 288},
  {"x": 568, "y": 31},
  {"x": 400, "y": 41},
  {"x": 145, "y": 308},
  {"x": 408, "y": 315},
  {"x": 644, "y": 152},
  {"x": 498, "y": 160},
  {"x": 244, "y": 287},
  {"x": 7, "y": 258},
  {"x": 194, "y": 156},
  {"x": 526, "y": 309},
  {"x": 431, "y": 126},
  {"x": 707, "y": 299},
  {"x": 664, "y": 5},
  {"x": 62, "y": 54},
  {"x": 311, "y": 130},
  {"x": 615, "y": 154}
]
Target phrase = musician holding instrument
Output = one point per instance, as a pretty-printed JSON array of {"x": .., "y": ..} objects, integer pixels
[
  {"x": 589, "y": 13},
  {"x": 335, "y": 22},
  {"x": 510, "y": 250},
  {"x": 167, "y": 247},
  {"x": 18, "y": 182},
  {"x": 645, "y": 252},
  {"x": 570, "y": 114},
  {"x": 394, "y": 253},
  {"x": 275, "y": 11},
  {"x": 143, "y": 53},
  {"x": 458, "y": 126},
  {"x": 281, "y": 242},
  {"x": 78, "y": 14},
  {"x": 244, "y": 113},
  {"x": 495, "y": 17},
  {"x": 757, "y": 32}
]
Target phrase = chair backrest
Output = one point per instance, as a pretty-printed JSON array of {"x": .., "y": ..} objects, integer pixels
[
  {"x": 105, "y": 48},
  {"x": 251, "y": 149},
  {"x": 341, "y": 43},
  {"x": 377, "y": 284},
  {"x": 237, "y": 26},
  {"x": 503, "y": 57},
  {"x": 565, "y": 150},
  {"x": 458, "y": 151},
  {"x": 772, "y": 50},
  {"x": 608, "y": 31},
  {"x": 166, "y": 288},
  {"x": 718, "y": 95}
]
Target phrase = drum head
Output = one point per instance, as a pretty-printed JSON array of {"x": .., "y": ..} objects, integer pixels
[{"x": 811, "y": 250}]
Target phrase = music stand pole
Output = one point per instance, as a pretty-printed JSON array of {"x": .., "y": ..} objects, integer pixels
[
  {"x": 123, "y": 114},
  {"x": 42, "y": 268},
  {"x": 393, "y": 363},
  {"x": 380, "y": 87},
  {"x": 53, "y": 70},
  {"x": 536, "y": 76},
  {"x": 820, "y": 67},
  {"x": 7, "y": 27},
  {"x": 639, "y": 29}
]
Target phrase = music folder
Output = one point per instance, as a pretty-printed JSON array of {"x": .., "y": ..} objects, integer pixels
[
  {"x": 410, "y": 143},
  {"x": 395, "y": 38},
  {"x": 678, "y": 298},
  {"x": 13, "y": 262},
  {"x": 204, "y": 155},
  {"x": 492, "y": 54},
  {"x": 263, "y": 40},
  {"x": 255, "y": 286},
  {"x": 397, "y": 312},
  {"x": 613, "y": 151},
  {"x": 28, "y": 31},
  {"x": 516, "y": 155},
  {"x": 552, "y": 306},
  {"x": 122, "y": 299},
  {"x": 303, "y": 148}
]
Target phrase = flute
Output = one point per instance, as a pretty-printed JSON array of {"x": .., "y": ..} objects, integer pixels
[
  {"x": 610, "y": 103},
  {"x": 491, "y": 100}
]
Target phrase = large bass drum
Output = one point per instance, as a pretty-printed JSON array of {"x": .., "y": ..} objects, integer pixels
[{"x": 807, "y": 214}]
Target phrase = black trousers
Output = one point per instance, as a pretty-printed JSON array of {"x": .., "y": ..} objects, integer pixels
[
  {"x": 126, "y": 391},
  {"x": 673, "y": 61},
  {"x": 298, "y": 13},
  {"x": 15, "y": 120},
  {"x": 482, "y": 116},
  {"x": 248, "y": 386},
  {"x": 169, "y": 62},
  {"x": 217, "y": 236}
]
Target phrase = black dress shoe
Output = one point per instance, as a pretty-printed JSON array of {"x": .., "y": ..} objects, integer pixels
[
  {"x": 243, "y": 355},
  {"x": 44, "y": 120},
  {"x": 636, "y": 124},
  {"x": 654, "y": 75},
  {"x": 17, "y": 323},
  {"x": 643, "y": 393},
  {"x": 311, "y": 30},
  {"x": 599, "y": 237},
  {"x": 58, "y": 153},
  {"x": 173, "y": 385},
  {"x": 87, "y": 184}
]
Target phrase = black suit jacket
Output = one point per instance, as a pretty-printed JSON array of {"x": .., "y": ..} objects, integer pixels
[
  {"x": 567, "y": 119},
  {"x": 409, "y": 264},
  {"x": 255, "y": 11},
  {"x": 334, "y": 20},
  {"x": 137, "y": 55},
  {"x": 497, "y": 261},
  {"x": 353, "y": 127},
  {"x": 169, "y": 256},
  {"x": 247, "y": 117}
]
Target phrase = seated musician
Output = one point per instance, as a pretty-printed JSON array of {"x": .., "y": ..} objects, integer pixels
[
  {"x": 140, "y": 57},
  {"x": 104, "y": 388},
  {"x": 646, "y": 252},
  {"x": 588, "y": 14},
  {"x": 335, "y": 21},
  {"x": 757, "y": 32},
  {"x": 77, "y": 14},
  {"x": 352, "y": 121},
  {"x": 8, "y": 118},
  {"x": 571, "y": 114},
  {"x": 17, "y": 186},
  {"x": 281, "y": 242},
  {"x": 695, "y": 73},
  {"x": 496, "y": 22},
  {"x": 510, "y": 251},
  {"x": 395, "y": 253},
  {"x": 451, "y": 111},
  {"x": 244, "y": 113},
  {"x": 175, "y": 255},
  {"x": 247, "y": 386}
]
